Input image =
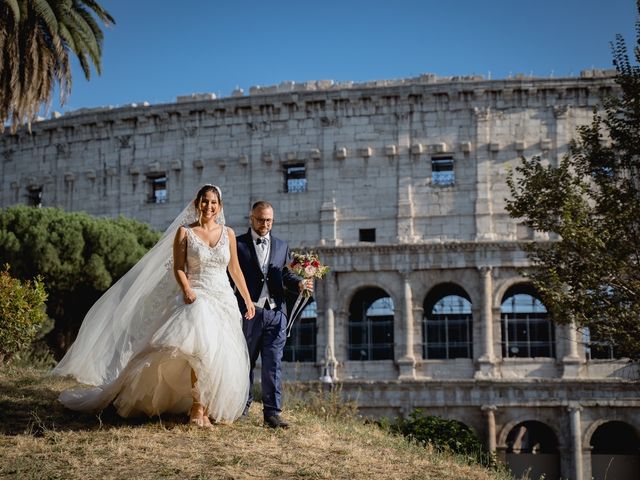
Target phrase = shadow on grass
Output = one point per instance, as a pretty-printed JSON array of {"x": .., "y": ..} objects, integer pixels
[{"x": 29, "y": 406}]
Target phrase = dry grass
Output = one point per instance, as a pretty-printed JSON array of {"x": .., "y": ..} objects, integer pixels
[{"x": 40, "y": 439}]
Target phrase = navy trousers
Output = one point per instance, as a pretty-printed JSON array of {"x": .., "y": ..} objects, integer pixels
[{"x": 266, "y": 335}]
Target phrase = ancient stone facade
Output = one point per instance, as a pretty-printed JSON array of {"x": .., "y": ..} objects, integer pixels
[{"x": 400, "y": 187}]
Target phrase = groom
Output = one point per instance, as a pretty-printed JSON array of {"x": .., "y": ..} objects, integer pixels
[{"x": 264, "y": 260}]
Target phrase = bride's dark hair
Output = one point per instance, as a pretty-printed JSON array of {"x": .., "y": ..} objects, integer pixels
[{"x": 203, "y": 191}]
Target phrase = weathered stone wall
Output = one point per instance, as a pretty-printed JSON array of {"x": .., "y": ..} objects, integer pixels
[{"x": 367, "y": 151}]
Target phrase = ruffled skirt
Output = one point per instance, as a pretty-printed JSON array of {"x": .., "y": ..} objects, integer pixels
[{"x": 205, "y": 336}]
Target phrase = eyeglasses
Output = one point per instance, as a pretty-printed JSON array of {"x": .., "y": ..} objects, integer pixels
[{"x": 263, "y": 220}]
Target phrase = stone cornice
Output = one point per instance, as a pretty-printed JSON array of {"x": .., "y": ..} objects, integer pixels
[
  {"x": 396, "y": 94},
  {"x": 403, "y": 248}
]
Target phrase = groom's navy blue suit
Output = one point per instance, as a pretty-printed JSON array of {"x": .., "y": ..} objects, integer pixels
[{"x": 266, "y": 331}]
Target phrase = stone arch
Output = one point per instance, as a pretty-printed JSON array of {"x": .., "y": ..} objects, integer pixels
[
  {"x": 370, "y": 325},
  {"x": 358, "y": 282},
  {"x": 507, "y": 427},
  {"x": 615, "y": 449},
  {"x": 593, "y": 426},
  {"x": 467, "y": 279},
  {"x": 504, "y": 286},
  {"x": 447, "y": 323},
  {"x": 531, "y": 447},
  {"x": 526, "y": 328},
  {"x": 622, "y": 436}
]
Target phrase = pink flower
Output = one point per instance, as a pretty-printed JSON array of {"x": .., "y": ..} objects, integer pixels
[{"x": 310, "y": 270}]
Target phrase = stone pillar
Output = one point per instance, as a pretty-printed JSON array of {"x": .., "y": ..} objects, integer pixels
[
  {"x": 405, "y": 230},
  {"x": 330, "y": 350},
  {"x": 329, "y": 223},
  {"x": 484, "y": 162},
  {"x": 407, "y": 363},
  {"x": 576, "y": 439},
  {"x": 489, "y": 411},
  {"x": 486, "y": 362},
  {"x": 571, "y": 362}
]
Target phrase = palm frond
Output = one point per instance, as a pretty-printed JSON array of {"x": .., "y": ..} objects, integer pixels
[
  {"x": 46, "y": 15},
  {"x": 13, "y": 8},
  {"x": 102, "y": 14},
  {"x": 89, "y": 43}
]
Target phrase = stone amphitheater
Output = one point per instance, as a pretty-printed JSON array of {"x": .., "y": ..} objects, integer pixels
[{"x": 400, "y": 187}]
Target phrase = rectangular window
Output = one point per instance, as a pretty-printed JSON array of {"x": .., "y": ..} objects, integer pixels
[
  {"x": 301, "y": 344},
  {"x": 371, "y": 339},
  {"x": 295, "y": 178},
  {"x": 157, "y": 189},
  {"x": 442, "y": 172},
  {"x": 526, "y": 336},
  {"x": 368, "y": 235},
  {"x": 448, "y": 336},
  {"x": 34, "y": 196}
]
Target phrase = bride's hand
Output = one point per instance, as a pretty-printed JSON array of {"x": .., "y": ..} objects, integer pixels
[
  {"x": 189, "y": 296},
  {"x": 251, "y": 311}
]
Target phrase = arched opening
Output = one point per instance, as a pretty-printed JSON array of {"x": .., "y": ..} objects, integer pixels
[
  {"x": 532, "y": 449},
  {"x": 527, "y": 330},
  {"x": 371, "y": 315},
  {"x": 615, "y": 452},
  {"x": 447, "y": 323},
  {"x": 301, "y": 344}
]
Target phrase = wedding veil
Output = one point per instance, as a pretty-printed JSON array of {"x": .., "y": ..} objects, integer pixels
[{"x": 122, "y": 321}]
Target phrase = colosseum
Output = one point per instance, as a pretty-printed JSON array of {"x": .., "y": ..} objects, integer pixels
[{"x": 400, "y": 187}]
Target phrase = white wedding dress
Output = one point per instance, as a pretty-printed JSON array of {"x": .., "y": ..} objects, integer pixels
[{"x": 152, "y": 359}]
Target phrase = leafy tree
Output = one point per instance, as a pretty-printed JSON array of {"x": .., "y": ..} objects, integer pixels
[
  {"x": 590, "y": 275},
  {"x": 77, "y": 256},
  {"x": 36, "y": 37},
  {"x": 22, "y": 312}
]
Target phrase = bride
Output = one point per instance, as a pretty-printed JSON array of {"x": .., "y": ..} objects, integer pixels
[{"x": 167, "y": 337}]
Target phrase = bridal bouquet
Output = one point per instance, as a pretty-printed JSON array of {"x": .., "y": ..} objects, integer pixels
[{"x": 306, "y": 265}]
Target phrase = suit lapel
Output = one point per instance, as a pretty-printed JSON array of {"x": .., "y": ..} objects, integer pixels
[
  {"x": 272, "y": 251},
  {"x": 252, "y": 250}
]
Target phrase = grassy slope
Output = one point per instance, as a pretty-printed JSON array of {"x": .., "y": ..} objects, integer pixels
[{"x": 40, "y": 439}]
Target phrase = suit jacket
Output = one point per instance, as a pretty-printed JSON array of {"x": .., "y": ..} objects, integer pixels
[{"x": 279, "y": 277}]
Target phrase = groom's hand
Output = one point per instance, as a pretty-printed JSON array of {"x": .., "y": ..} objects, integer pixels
[{"x": 306, "y": 284}]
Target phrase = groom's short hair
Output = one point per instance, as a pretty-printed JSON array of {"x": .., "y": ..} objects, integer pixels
[{"x": 260, "y": 204}]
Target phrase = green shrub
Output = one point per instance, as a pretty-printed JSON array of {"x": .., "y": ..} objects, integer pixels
[
  {"x": 444, "y": 435},
  {"x": 22, "y": 312},
  {"x": 77, "y": 256}
]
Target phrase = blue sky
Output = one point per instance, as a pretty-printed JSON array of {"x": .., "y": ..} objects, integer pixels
[{"x": 160, "y": 49}]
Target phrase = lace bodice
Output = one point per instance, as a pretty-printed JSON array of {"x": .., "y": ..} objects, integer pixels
[{"x": 206, "y": 265}]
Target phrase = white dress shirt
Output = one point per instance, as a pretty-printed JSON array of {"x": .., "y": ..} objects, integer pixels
[{"x": 263, "y": 249}]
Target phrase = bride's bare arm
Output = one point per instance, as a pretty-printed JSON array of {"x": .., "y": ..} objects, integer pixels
[
  {"x": 236, "y": 275},
  {"x": 179, "y": 263}
]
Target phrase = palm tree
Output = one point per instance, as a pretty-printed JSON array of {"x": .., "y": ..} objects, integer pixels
[{"x": 36, "y": 37}]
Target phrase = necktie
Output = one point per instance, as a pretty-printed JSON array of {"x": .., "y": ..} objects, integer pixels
[{"x": 262, "y": 252}]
